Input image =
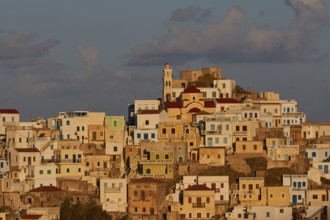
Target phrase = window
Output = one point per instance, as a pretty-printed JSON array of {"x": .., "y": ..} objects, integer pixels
[
  {"x": 68, "y": 170},
  {"x": 299, "y": 197},
  {"x": 79, "y": 170},
  {"x": 157, "y": 156},
  {"x": 172, "y": 130},
  {"x": 313, "y": 154},
  {"x": 237, "y": 127},
  {"x": 145, "y": 136},
  {"x": 148, "y": 171},
  {"x": 244, "y": 128},
  {"x": 189, "y": 199},
  {"x": 207, "y": 199},
  {"x": 244, "y": 147},
  {"x": 115, "y": 149},
  {"x": 166, "y": 156},
  {"x": 283, "y": 195},
  {"x": 225, "y": 140},
  {"x": 315, "y": 196},
  {"x": 66, "y": 156},
  {"x": 281, "y": 210},
  {"x": 255, "y": 147},
  {"x": 153, "y": 136},
  {"x": 78, "y": 128},
  {"x": 147, "y": 122},
  {"x": 303, "y": 184},
  {"x": 83, "y": 128},
  {"x": 271, "y": 195},
  {"x": 243, "y": 186},
  {"x": 67, "y": 122},
  {"x": 68, "y": 137},
  {"x": 79, "y": 156},
  {"x": 138, "y": 135},
  {"x": 217, "y": 140},
  {"x": 212, "y": 127},
  {"x": 164, "y": 131},
  {"x": 41, "y": 172},
  {"x": 214, "y": 94},
  {"x": 115, "y": 123},
  {"x": 49, "y": 172},
  {"x": 267, "y": 214}
]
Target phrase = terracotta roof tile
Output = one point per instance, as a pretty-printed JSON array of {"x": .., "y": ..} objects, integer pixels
[
  {"x": 173, "y": 104},
  {"x": 147, "y": 112},
  {"x": 194, "y": 110},
  {"x": 46, "y": 189},
  {"x": 9, "y": 111},
  {"x": 191, "y": 89},
  {"x": 209, "y": 104},
  {"x": 197, "y": 188},
  {"x": 27, "y": 150}
]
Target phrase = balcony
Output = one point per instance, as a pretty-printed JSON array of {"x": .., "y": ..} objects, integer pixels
[
  {"x": 29, "y": 177},
  {"x": 112, "y": 190},
  {"x": 240, "y": 133},
  {"x": 249, "y": 192},
  {"x": 156, "y": 161},
  {"x": 198, "y": 205},
  {"x": 213, "y": 132},
  {"x": 68, "y": 161}
]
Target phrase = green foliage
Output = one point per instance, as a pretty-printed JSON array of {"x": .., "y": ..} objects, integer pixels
[{"x": 83, "y": 211}]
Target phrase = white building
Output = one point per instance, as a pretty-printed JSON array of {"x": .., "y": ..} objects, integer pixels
[
  {"x": 113, "y": 195},
  {"x": 220, "y": 184}
]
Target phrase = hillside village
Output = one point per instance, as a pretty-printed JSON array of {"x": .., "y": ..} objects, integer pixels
[{"x": 208, "y": 149}]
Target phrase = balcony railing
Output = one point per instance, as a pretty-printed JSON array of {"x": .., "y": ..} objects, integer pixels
[
  {"x": 198, "y": 205},
  {"x": 68, "y": 161},
  {"x": 156, "y": 161},
  {"x": 112, "y": 190},
  {"x": 248, "y": 192},
  {"x": 213, "y": 132},
  {"x": 238, "y": 133}
]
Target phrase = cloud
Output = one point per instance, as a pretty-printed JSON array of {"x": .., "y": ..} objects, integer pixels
[
  {"x": 233, "y": 39},
  {"x": 89, "y": 56},
  {"x": 191, "y": 14},
  {"x": 22, "y": 50}
]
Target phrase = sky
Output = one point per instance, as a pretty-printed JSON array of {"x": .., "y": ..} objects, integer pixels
[{"x": 101, "y": 55}]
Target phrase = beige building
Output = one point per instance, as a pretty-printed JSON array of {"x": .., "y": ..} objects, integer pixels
[
  {"x": 250, "y": 190},
  {"x": 318, "y": 197},
  {"x": 145, "y": 198},
  {"x": 9, "y": 117},
  {"x": 198, "y": 202},
  {"x": 249, "y": 147},
  {"x": 276, "y": 196},
  {"x": 212, "y": 156}
]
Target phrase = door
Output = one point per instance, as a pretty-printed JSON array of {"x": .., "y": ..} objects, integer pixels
[{"x": 294, "y": 199}]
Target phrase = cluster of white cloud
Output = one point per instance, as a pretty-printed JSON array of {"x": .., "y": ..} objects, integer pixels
[{"x": 233, "y": 39}]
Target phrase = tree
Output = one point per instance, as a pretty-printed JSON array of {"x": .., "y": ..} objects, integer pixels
[{"x": 83, "y": 211}]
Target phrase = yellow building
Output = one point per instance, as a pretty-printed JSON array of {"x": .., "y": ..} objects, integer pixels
[
  {"x": 249, "y": 147},
  {"x": 191, "y": 102},
  {"x": 69, "y": 160},
  {"x": 276, "y": 196},
  {"x": 250, "y": 190},
  {"x": 158, "y": 159},
  {"x": 179, "y": 131},
  {"x": 96, "y": 135},
  {"x": 212, "y": 156},
  {"x": 198, "y": 202},
  {"x": 244, "y": 130}
]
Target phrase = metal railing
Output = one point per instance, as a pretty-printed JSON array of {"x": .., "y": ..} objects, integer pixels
[{"x": 198, "y": 205}]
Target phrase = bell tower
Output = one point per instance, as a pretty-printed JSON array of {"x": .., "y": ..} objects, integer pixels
[{"x": 167, "y": 83}]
